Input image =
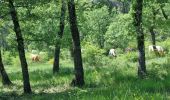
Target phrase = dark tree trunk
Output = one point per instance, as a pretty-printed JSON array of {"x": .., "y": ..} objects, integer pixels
[
  {"x": 5, "y": 78},
  {"x": 60, "y": 34},
  {"x": 79, "y": 73},
  {"x": 153, "y": 36},
  {"x": 138, "y": 6},
  {"x": 20, "y": 41},
  {"x": 163, "y": 12}
]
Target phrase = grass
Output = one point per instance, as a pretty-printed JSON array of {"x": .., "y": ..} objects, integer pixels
[{"x": 116, "y": 80}]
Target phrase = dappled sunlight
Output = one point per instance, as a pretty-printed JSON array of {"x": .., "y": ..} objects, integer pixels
[{"x": 84, "y": 50}]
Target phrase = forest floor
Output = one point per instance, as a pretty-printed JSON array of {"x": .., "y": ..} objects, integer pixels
[{"x": 117, "y": 81}]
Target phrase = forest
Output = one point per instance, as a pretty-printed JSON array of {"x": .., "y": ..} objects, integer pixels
[{"x": 84, "y": 49}]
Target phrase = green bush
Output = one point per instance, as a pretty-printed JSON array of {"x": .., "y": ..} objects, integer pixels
[
  {"x": 158, "y": 71},
  {"x": 43, "y": 56},
  {"x": 7, "y": 58},
  {"x": 16, "y": 61},
  {"x": 106, "y": 61},
  {"x": 92, "y": 55},
  {"x": 166, "y": 46},
  {"x": 119, "y": 51},
  {"x": 51, "y": 61},
  {"x": 131, "y": 56},
  {"x": 65, "y": 54}
]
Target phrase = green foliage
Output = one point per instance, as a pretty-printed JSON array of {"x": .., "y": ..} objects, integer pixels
[
  {"x": 65, "y": 54},
  {"x": 119, "y": 51},
  {"x": 16, "y": 61},
  {"x": 131, "y": 56},
  {"x": 7, "y": 58},
  {"x": 95, "y": 25},
  {"x": 166, "y": 45},
  {"x": 158, "y": 71},
  {"x": 43, "y": 57},
  {"x": 92, "y": 54},
  {"x": 51, "y": 61},
  {"x": 120, "y": 32},
  {"x": 116, "y": 80}
]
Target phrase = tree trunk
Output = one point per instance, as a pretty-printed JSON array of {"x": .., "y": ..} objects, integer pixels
[
  {"x": 79, "y": 73},
  {"x": 153, "y": 36},
  {"x": 20, "y": 41},
  {"x": 138, "y": 6},
  {"x": 5, "y": 78},
  {"x": 60, "y": 34}
]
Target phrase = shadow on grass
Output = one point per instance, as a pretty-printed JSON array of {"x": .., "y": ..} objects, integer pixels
[
  {"x": 71, "y": 94},
  {"x": 114, "y": 83},
  {"x": 40, "y": 75}
]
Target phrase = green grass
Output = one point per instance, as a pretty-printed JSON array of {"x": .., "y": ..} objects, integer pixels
[{"x": 116, "y": 80}]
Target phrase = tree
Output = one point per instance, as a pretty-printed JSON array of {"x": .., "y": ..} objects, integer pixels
[
  {"x": 79, "y": 73},
  {"x": 137, "y": 16},
  {"x": 60, "y": 35},
  {"x": 5, "y": 78},
  {"x": 120, "y": 32},
  {"x": 96, "y": 24},
  {"x": 154, "y": 12},
  {"x": 20, "y": 41}
]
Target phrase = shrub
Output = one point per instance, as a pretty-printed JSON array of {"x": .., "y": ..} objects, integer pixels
[
  {"x": 51, "y": 61},
  {"x": 92, "y": 55},
  {"x": 16, "y": 61},
  {"x": 166, "y": 45},
  {"x": 106, "y": 61},
  {"x": 7, "y": 58},
  {"x": 158, "y": 71},
  {"x": 131, "y": 56},
  {"x": 65, "y": 54},
  {"x": 43, "y": 56},
  {"x": 119, "y": 51}
]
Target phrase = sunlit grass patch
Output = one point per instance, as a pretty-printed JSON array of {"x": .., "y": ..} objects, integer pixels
[{"x": 117, "y": 81}]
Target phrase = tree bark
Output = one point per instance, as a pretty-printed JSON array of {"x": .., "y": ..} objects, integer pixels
[
  {"x": 79, "y": 73},
  {"x": 60, "y": 34},
  {"x": 153, "y": 36},
  {"x": 20, "y": 41},
  {"x": 138, "y": 6},
  {"x": 5, "y": 78}
]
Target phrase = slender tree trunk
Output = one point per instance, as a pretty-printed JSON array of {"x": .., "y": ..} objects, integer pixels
[
  {"x": 60, "y": 34},
  {"x": 153, "y": 36},
  {"x": 5, "y": 78},
  {"x": 153, "y": 39},
  {"x": 79, "y": 73},
  {"x": 138, "y": 6},
  {"x": 20, "y": 41},
  {"x": 163, "y": 12}
]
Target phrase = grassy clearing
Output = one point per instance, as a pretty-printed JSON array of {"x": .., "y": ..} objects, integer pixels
[{"x": 116, "y": 80}]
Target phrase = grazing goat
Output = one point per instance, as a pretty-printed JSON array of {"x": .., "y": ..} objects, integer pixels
[
  {"x": 112, "y": 52},
  {"x": 159, "y": 49},
  {"x": 35, "y": 57}
]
